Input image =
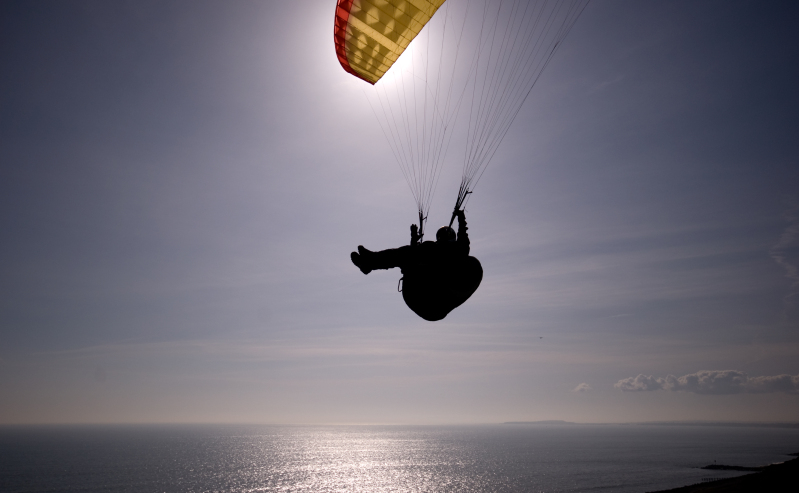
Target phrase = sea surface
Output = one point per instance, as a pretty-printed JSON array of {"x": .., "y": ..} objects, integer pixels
[{"x": 319, "y": 459}]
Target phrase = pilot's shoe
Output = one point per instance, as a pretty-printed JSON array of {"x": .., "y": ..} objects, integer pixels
[{"x": 360, "y": 262}]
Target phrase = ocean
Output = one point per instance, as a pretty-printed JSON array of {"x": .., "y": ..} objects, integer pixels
[{"x": 320, "y": 459}]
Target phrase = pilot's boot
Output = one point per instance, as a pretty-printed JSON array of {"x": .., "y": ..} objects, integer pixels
[
  {"x": 367, "y": 260},
  {"x": 360, "y": 262}
]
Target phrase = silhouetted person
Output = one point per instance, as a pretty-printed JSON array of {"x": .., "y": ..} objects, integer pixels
[{"x": 437, "y": 276}]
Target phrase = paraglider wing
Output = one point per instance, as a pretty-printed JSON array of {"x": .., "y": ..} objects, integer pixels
[{"x": 371, "y": 34}]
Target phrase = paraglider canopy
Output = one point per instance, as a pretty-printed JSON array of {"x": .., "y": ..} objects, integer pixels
[{"x": 371, "y": 34}]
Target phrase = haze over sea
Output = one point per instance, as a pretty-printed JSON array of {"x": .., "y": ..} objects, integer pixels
[{"x": 510, "y": 457}]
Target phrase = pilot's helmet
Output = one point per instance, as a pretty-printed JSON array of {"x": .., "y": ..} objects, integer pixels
[{"x": 445, "y": 233}]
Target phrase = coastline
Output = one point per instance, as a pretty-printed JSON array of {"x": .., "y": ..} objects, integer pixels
[{"x": 772, "y": 478}]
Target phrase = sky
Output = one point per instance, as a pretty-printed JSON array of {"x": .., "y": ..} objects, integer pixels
[{"x": 181, "y": 185}]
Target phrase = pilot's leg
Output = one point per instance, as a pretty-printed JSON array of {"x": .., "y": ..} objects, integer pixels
[{"x": 367, "y": 260}]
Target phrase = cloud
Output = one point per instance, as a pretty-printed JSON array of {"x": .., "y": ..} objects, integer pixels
[
  {"x": 709, "y": 382},
  {"x": 712, "y": 382},
  {"x": 779, "y": 383},
  {"x": 583, "y": 387},
  {"x": 786, "y": 251},
  {"x": 639, "y": 384}
]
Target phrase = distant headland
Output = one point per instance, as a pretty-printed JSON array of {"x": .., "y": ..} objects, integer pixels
[
  {"x": 544, "y": 422},
  {"x": 755, "y": 424}
]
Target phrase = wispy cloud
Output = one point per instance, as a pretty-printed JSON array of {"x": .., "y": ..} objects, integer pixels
[
  {"x": 712, "y": 382},
  {"x": 583, "y": 387},
  {"x": 786, "y": 251}
]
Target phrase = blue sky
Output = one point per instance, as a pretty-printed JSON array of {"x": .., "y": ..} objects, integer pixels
[{"x": 181, "y": 184}]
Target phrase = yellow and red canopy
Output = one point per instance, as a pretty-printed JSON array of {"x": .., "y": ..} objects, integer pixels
[{"x": 371, "y": 34}]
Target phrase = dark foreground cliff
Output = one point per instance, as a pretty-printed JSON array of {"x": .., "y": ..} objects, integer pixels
[{"x": 776, "y": 478}]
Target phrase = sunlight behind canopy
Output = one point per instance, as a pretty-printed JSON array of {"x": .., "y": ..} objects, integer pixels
[{"x": 371, "y": 34}]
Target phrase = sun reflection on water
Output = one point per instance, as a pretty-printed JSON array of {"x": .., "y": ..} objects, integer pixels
[
  {"x": 481, "y": 459},
  {"x": 358, "y": 460}
]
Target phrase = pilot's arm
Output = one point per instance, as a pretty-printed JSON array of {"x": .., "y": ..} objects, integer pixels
[
  {"x": 414, "y": 235},
  {"x": 463, "y": 236}
]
